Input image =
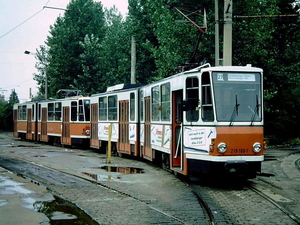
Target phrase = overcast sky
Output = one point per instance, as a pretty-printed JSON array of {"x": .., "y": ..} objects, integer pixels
[{"x": 16, "y": 67}]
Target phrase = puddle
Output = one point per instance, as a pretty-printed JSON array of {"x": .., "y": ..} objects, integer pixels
[
  {"x": 38, "y": 156},
  {"x": 116, "y": 169},
  {"x": 119, "y": 169},
  {"x": 3, "y": 202},
  {"x": 23, "y": 146},
  {"x": 61, "y": 212},
  {"x": 100, "y": 177},
  {"x": 56, "y": 209}
]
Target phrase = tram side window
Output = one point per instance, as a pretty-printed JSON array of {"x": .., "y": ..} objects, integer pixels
[
  {"x": 22, "y": 112},
  {"x": 39, "y": 112},
  {"x": 112, "y": 108},
  {"x": 87, "y": 109},
  {"x": 74, "y": 111},
  {"x": 81, "y": 112},
  {"x": 142, "y": 105},
  {"x": 54, "y": 111},
  {"x": 155, "y": 103},
  {"x": 165, "y": 102},
  {"x": 51, "y": 111},
  {"x": 33, "y": 113},
  {"x": 207, "y": 106},
  {"x": 103, "y": 108},
  {"x": 58, "y": 111},
  {"x": 132, "y": 106},
  {"x": 192, "y": 95}
]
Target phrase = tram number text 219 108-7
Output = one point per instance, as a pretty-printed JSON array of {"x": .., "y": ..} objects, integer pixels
[{"x": 239, "y": 150}]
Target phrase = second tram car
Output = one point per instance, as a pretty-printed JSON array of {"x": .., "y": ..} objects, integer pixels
[{"x": 208, "y": 119}]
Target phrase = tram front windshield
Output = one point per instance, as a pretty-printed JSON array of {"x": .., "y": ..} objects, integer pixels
[{"x": 237, "y": 96}]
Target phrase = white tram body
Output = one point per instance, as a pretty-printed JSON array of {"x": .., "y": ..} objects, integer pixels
[{"x": 207, "y": 119}]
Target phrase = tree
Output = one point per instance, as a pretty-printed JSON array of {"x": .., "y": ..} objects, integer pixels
[
  {"x": 272, "y": 43},
  {"x": 6, "y": 112},
  {"x": 164, "y": 43},
  {"x": 82, "y": 18}
]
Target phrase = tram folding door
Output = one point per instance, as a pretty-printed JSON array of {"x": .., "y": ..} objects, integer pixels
[
  {"x": 148, "y": 154},
  {"x": 66, "y": 138},
  {"x": 44, "y": 135},
  {"x": 177, "y": 135},
  {"x": 124, "y": 145},
  {"x": 29, "y": 125},
  {"x": 94, "y": 141},
  {"x": 15, "y": 119}
]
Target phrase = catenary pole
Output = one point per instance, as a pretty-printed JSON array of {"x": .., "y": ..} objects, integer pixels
[{"x": 227, "y": 40}]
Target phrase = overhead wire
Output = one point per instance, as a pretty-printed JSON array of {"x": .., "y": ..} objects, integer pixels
[{"x": 23, "y": 21}]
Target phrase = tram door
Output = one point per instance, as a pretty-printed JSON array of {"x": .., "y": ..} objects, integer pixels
[
  {"x": 29, "y": 125},
  {"x": 177, "y": 134},
  {"x": 66, "y": 137},
  {"x": 15, "y": 119},
  {"x": 148, "y": 153},
  {"x": 94, "y": 141},
  {"x": 124, "y": 145},
  {"x": 44, "y": 136}
]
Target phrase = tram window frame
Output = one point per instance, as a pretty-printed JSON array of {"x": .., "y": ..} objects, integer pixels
[
  {"x": 206, "y": 98},
  {"x": 132, "y": 106},
  {"x": 80, "y": 110},
  {"x": 73, "y": 110},
  {"x": 39, "y": 112},
  {"x": 102, "y": 104},
  {"x": 58, "y": 111},
  {"x": 112, "y": 108},
  {"x": 87, "y": 109},
  {"x": 165, "y": 90},
  {"x": 192, "y": 99},
  {"x": 54, "y": 111},
  {"x": 22, "y": 112},
  {"x": 142, "y": 105},
  {"x": 155, "y": 103},
  {"x": 33, "y": 113},
  {"x": 51, "y": 111}
]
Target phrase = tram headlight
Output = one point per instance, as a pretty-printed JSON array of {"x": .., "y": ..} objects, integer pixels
[
  {"x": 257, "y": 147},
  {"x": 87, "y": 132},
  {"x": 222, "y": 147}
]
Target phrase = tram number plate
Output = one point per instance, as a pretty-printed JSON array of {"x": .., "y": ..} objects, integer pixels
[{"x": 239, "y": 150}]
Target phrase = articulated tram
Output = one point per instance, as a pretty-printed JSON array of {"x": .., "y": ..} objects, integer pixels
[{"x": 207, "y": 119}]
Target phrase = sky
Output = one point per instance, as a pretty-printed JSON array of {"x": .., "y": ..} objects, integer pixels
[{"x": 18, "y": 35}]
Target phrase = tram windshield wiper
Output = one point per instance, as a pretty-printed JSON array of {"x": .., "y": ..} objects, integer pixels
[
  {"x": 255, "y": 112},
  {"x": 235, "y": 111}
]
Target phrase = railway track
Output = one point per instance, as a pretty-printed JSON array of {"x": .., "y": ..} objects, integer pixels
[
  {"x": 287, "y": 212},
  {"x": 240, "y": 204}
]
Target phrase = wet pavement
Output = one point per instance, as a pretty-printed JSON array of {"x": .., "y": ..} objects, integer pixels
[{"x": 126, "y": 191}]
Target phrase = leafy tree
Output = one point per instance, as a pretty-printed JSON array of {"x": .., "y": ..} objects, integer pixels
[
  {"x": 163, "y": 42},
  {"x": 82, "y": 18},
  {"x": 272, "y": 43},
  {"x": 6, "y": 112}
]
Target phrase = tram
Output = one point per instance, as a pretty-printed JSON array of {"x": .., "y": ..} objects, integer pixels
[
  {"x": 204, "y": 120},
  {"x": 59, "y": 121}
]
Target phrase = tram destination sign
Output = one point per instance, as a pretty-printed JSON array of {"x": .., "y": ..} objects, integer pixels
[
  {"x": 247, "y": 77},
  {"x": 241, "y": 77}
]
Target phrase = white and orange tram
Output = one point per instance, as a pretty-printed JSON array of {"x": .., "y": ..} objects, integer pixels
[
  {"x": 58, "y": 121},
  {"x": 208, "y": 119}
]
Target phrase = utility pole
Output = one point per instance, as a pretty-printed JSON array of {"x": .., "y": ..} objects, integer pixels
[
  {"x": 227, "y": 41},
  {"x": 217, "y": 47},
  {"x": 133, "y": 60}
]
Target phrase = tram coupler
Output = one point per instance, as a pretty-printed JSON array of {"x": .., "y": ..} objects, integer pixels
[{"x": 235, "y": 167}]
